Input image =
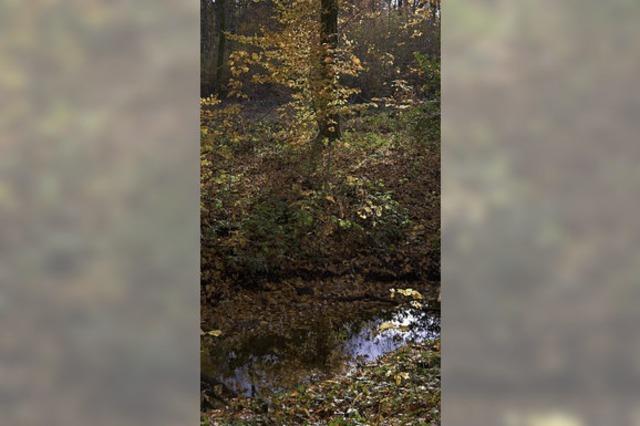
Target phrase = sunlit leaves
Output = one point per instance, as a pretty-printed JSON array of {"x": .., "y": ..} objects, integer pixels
[
  {"x": 407, "y": 292},
  {"x": 386, "y": 326},
  {"x": 214, "y": 333},
  {"x": 289, "y": 56}
]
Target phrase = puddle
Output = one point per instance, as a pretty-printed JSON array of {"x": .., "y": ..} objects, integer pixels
[
  {"x": 267, "y": 363},
  {"x": 410, "y": 325}
]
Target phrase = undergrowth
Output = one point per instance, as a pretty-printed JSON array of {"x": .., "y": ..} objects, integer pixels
[{"x": 371, "y": 205}]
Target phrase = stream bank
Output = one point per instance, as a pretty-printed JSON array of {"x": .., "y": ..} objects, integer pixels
[
  {"x": 296, "y": 335},
  {"x": 400, "y": 388}
]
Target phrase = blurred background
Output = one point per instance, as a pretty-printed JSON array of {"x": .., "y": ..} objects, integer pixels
[
  {"x": 99, "y": 212},
  {"x": 99, "y": 246},
  {"x": 540, "y": 226}
]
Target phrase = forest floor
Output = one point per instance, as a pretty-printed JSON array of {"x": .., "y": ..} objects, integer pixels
[
  {"x": 305, "y": 332},
  {"x": 289, "y": 259},
  {"x": 370, "y": 210},
  {"x": 401, "y": 388}
]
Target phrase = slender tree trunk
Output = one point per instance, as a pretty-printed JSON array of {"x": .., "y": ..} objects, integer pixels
[
  {"x": 434, "y": 5},
  {"x": 207, "y": 42},
  {"x": 328, "y": 120},
  {"x": 222, "y": 28}
]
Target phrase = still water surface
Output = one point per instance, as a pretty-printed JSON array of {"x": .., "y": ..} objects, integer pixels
[{"x": 271, "y": 362}]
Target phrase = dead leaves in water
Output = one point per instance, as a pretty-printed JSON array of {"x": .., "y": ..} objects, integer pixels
[
  {"x": 386, "y": 326},
  {"x": 400, "y": 388}
]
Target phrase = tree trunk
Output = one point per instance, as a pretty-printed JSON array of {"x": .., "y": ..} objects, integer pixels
[
  {"x": 207, "y": 42},
  {"x": 435, "y": 6},
  {"x": 328, "y": 119},
  {"x": 222, "y": 28}
]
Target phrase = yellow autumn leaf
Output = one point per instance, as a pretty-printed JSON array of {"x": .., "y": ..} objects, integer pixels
[
  {"x": 416, "y": 305},
  {"x": 400, "y": 377},
  {"x": 386, "y": 326},
  {"x": 214, "y": 333},
  {"x": 409, "y": 292}
]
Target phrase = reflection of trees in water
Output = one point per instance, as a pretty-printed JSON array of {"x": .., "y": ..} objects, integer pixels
[{"x": 265, "y": 362}]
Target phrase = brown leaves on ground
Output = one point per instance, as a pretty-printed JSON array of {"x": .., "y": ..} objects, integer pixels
[{"x": 372, "y": 207}]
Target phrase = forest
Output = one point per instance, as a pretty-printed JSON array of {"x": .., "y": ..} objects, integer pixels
[{"x": 320, "y": 212}]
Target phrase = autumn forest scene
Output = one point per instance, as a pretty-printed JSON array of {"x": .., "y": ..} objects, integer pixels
[{"x": 320, "y": 212}]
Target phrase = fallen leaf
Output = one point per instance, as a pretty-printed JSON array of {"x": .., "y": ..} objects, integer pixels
[{"x": 386, "y": 326}]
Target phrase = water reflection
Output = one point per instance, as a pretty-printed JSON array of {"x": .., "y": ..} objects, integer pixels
[
  {"x": 409, "y": 325},
  {"x": 265, "y": 362}
]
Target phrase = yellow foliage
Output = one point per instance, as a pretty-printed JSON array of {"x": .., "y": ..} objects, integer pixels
[
  {"x": 400, "y": 377},
  {"x": 214, "y": 333},
  {"x": 407, "y": 292},
  {"x": 386, "y": 326},
  {"x": 290, "y": 57}
]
